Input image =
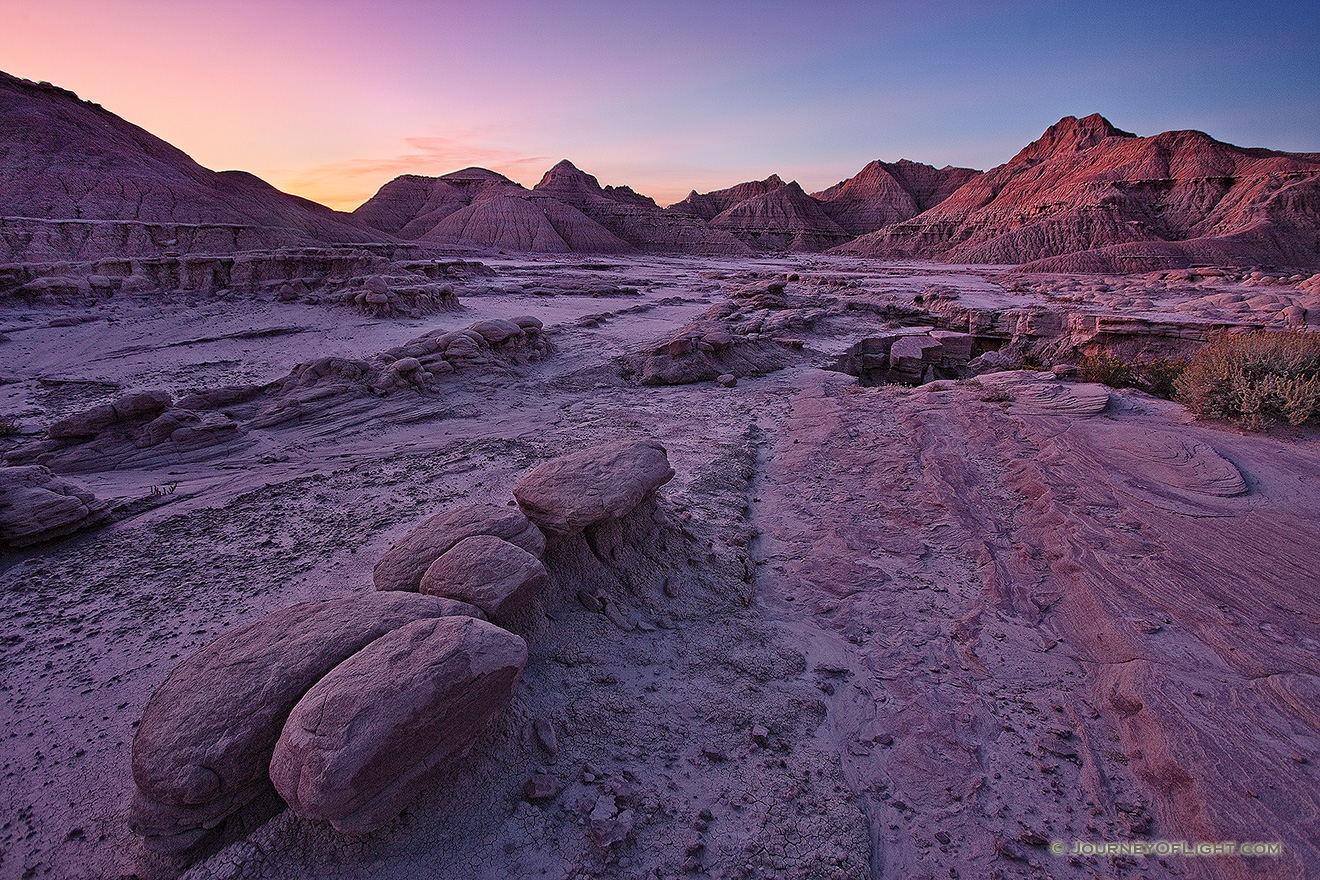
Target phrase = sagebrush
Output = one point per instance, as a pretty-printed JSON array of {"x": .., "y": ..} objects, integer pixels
[{"x": 1255, "y": 378}]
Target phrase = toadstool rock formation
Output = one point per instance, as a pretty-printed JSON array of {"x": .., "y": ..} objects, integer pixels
[{"x": 566, "y": 494}]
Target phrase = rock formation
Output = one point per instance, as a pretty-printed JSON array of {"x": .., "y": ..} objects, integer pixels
[
  {"x": 477, "y": 208},
  {"x": 203, "y": 746},
  {"x": 411, "y": 205},
  {"x": 403, "y": 567},
  {"x": 749, "y": 335},
  {"x": 521, "y": 222},
  {"x": 76, "y": 181},
  {"x": 908, "y": 357},
  {"x": 37, "y": 506},
  {"x": 1089, "y": 197},
  {"x": 634, "y": 218},
  {"x": 883, "y": 193},
  {"x": 708, "y": 205},
  {"x": 146, "y": 427},
  {"x": 308, "y": 275},
  {"x": 494, "y": 575},
  {"x": 79, "y": 183},
  {"x": 565, "y": 495},
  {"x": 394, "y": 719},
  {"x": 785, "y": 218}
]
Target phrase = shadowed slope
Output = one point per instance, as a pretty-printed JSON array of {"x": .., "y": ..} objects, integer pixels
[
  {"x": 708, "y": 205},
  {"x": 62, "y": 159},
  {"x": 411, "y": 205}
]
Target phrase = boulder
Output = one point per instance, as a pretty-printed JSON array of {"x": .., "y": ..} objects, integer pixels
[
  {"x": 142, "y": 403},
  {"x": 566, "y": 494},
  {"x": 489, "y": 572},
  {"x": 36, "y": 506},
  {"x": 497, "y": 330},
  {"x": 204, "y": 742},
  {"x": 403, "y": 566},
  {"x": 394, "y": 719}
]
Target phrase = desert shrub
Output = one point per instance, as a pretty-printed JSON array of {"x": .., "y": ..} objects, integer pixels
[
  {"x": 1160, "y": 377},
  {"x": 9, "y": 426},
  {"x": 1106, "y": 369},
  {"x": 1253, "y": 378}
]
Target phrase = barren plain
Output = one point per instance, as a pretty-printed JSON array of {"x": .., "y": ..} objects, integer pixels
[{"x": 890, "y": 631}]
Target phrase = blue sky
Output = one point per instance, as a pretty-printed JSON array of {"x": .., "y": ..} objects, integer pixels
[{"x": 333, "y": 98}]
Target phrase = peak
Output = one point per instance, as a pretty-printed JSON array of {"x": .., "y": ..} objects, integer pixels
[
  {"x": 474, "y": 172},
  {"x": 1071, "y": 135},
  {"x": 566, "y": 174}
]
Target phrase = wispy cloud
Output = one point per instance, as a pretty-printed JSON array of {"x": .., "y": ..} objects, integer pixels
[{"x": 348, "y": 183}]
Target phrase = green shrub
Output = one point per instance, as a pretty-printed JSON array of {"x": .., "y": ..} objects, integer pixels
[
  {"x": 9, "y": 426},
  {"x": 1106, "y": 369},
  {"x": 1160, "y": 377},
  {"x": 1253, "y": 378}
]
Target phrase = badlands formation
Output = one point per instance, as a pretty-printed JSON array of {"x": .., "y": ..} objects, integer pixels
[{"x": 496, "y": 532}]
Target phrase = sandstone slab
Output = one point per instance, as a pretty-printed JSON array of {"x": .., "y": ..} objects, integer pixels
[
  {"x": 37, "y": 506},
  {"x": 569, "y": 493}
]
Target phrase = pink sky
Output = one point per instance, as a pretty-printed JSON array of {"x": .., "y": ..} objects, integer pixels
[{"x": 331, "y": 99}]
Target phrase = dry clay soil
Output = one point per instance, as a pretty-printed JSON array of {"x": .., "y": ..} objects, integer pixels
[{"x": 908, "y": 633}]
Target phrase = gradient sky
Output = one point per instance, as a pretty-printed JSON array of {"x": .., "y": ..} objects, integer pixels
[{"x": 331, "y": 99}]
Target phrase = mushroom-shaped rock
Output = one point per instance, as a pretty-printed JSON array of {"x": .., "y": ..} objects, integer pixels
[
  {"x": 203, "y": 745},
  {"x": 402, "y": 566},
  {"x": 497, "y": 330},
  {"x": 36, "y": 506},
  {"x": 569, "y": 493},
  {"x": 393, "y": 719},
  {"x": 489, "y": 572}
]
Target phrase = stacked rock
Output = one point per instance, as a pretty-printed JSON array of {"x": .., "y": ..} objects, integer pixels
[
  {"x": 329, "y": 701},
  {"x": 203, "y": 747}
]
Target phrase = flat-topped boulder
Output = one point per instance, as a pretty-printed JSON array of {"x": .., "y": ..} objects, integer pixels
[
  {"x": 488, "y": 572},
  {"x": 203, "y": 745},
  {"x": 566, "y": 494},
  {"x": 402, "y": 567},
  {"x": 393, "y": 720}
]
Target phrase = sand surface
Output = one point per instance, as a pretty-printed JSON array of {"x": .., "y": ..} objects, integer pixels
[{"x": 908, "y": 632}]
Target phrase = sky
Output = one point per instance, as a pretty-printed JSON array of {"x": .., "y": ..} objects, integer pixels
[{"x": 330, "y": 99}]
